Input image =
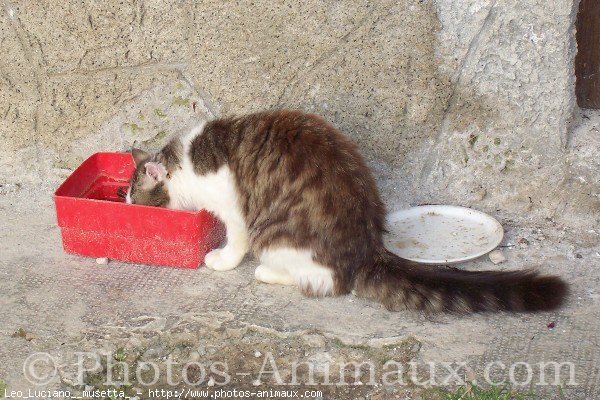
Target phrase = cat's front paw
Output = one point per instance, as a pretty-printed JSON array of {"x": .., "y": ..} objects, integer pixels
[{"x": 218, "y": 260}]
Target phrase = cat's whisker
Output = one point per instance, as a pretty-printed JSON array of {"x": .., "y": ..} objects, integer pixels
[{"x": 121, "y": 192}]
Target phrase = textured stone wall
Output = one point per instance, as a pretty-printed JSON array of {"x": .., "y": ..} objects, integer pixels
[{"x": 452, "y": 101}]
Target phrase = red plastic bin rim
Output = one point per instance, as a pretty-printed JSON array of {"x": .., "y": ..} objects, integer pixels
[{"x": 57, "y": 193}]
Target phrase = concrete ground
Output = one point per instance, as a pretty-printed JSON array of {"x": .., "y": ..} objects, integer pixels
[{"x": 62, "y": 304}]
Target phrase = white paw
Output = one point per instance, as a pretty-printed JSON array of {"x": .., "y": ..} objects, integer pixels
[
  {"x": 261, "y": 274},
  {"x": 270, "y": 275},
  {"x": 218, "y": 260}
]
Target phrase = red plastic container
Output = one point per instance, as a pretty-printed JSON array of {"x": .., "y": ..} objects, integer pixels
[{"x": 96, "y": 222}]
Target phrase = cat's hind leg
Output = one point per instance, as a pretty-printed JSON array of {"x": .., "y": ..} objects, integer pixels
[{"x": 291, "y": 266}]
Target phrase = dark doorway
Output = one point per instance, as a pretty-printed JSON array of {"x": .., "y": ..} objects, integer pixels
[{"x": 587, "y": 62}]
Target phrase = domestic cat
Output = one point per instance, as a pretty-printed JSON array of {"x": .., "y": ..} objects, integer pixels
[{"x": 295, "y": 192}]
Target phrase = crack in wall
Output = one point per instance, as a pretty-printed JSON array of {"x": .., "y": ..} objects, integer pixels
[
  {"x": 126, "y": 68},
  {"x": 304, "y": 71}
]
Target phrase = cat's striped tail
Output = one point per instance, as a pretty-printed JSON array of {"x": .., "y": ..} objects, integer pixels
[{"x": 399, "y": 284}]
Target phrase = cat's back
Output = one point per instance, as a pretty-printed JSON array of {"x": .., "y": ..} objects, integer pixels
[
  {"x": 297, "y": 173},
  {"x": 297, "y": 139}
]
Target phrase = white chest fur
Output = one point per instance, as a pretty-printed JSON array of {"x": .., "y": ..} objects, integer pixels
[{"x": 215, "y": 191}]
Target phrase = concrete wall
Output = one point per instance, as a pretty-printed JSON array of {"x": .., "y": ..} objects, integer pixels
[{"x": 463, "y": 101}]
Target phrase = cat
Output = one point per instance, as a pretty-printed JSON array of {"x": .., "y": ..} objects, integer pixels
[{"x": 295, "y": 192}]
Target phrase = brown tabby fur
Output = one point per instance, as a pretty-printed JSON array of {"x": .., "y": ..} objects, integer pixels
[{"x": 304, "y": 185}]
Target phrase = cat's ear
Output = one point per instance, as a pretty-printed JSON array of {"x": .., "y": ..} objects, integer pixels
[
  {"x": 155, "y": 170},
  {"x": 139, "y": 156}
]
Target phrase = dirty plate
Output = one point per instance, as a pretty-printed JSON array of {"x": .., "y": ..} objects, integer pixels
[{"x": 442, "y": 234}]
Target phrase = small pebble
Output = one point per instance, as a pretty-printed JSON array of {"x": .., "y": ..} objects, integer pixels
[
  {"x": 314, "y": 340},
  {"x": 257, "y": 354},
  {"x": 211, "y": 382},
  {"x": 551, "y": 325},
  {"x": 523, "y": 242},
  {"x": 497, "y": 257},
  {"x": 578, "y": 255},
  {"x": 415, "y": 348},
  {"x": 102, "y": 260},
  {"x": 194, "y": 356}
]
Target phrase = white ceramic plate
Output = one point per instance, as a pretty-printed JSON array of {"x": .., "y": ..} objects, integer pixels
[{"x": 442, "y": 234}]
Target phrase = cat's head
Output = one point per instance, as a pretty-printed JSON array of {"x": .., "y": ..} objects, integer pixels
[{"x": 148, "y": 184}]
